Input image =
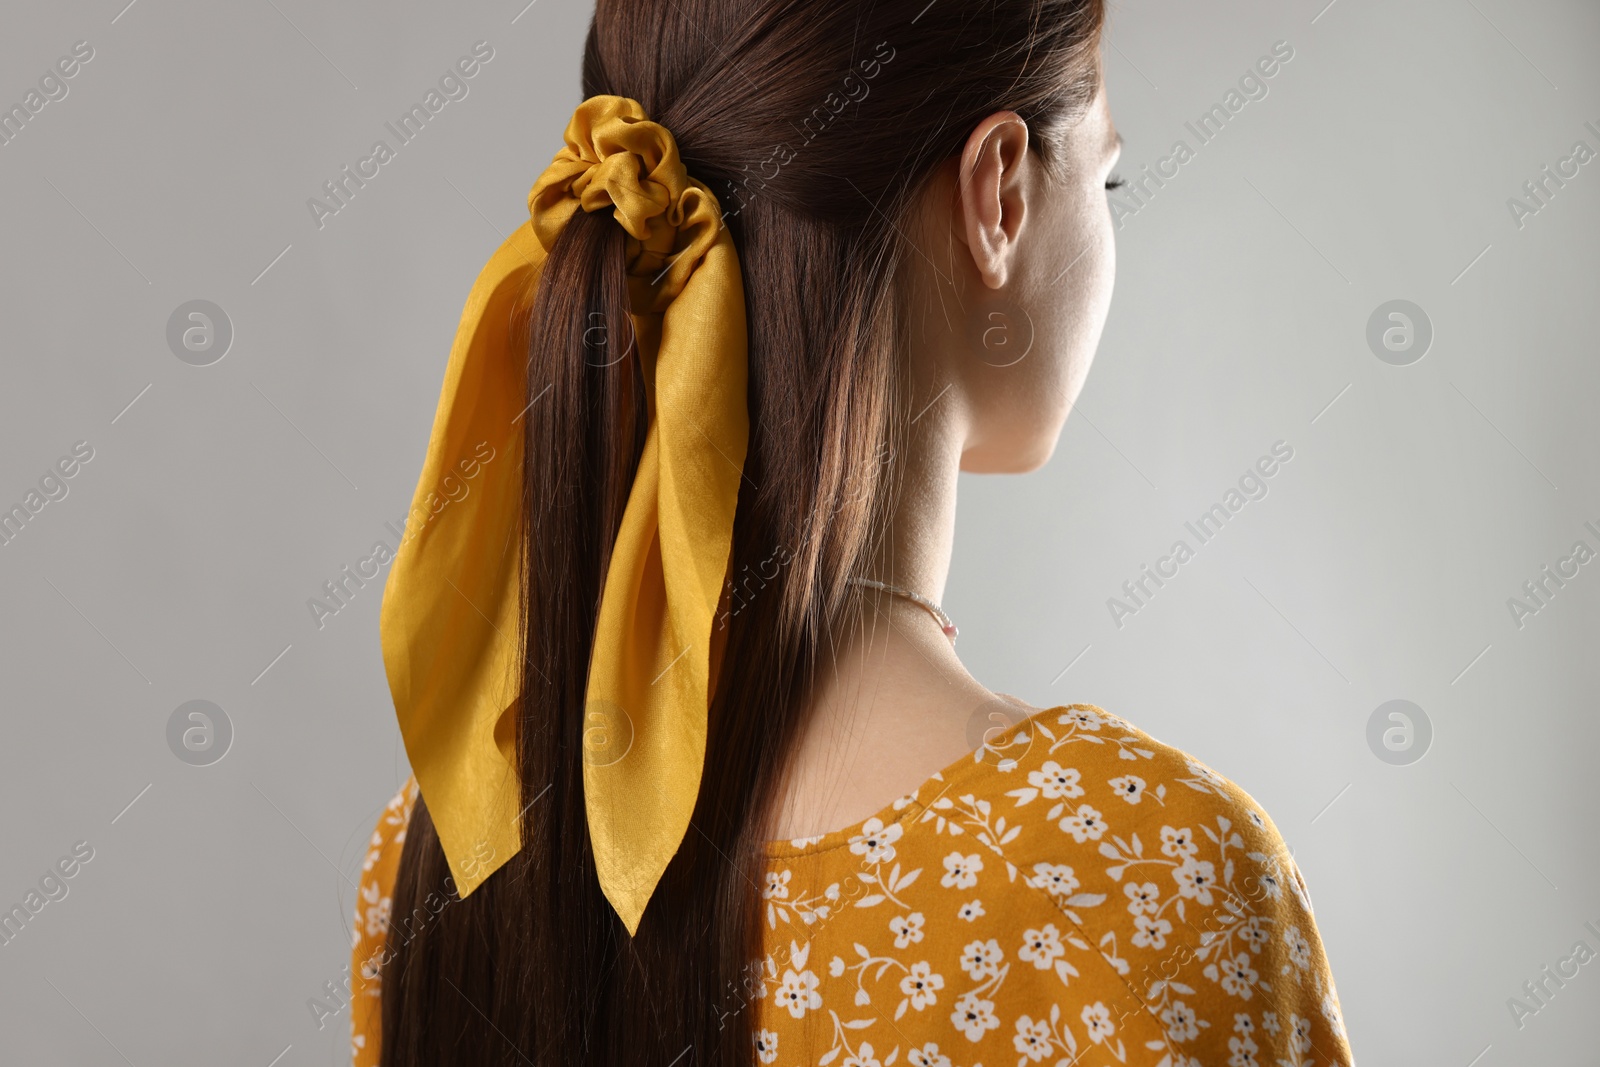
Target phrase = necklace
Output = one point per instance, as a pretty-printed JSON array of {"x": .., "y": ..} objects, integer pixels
[{"x": 918, "y": 599}]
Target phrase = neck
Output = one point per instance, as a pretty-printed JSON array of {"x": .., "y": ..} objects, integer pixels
[
  {"x": 915, "y": 551},
  {"x": 898, "y": 647},
  {"x": 914, "y": 554},
  {"x": 889, "y": 679}
]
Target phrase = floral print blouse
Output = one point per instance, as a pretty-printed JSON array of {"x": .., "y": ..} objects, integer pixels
[{"x": 1074, "y": 893}]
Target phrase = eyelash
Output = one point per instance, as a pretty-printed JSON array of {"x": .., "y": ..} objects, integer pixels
[{"x": 1115, "y": 182}]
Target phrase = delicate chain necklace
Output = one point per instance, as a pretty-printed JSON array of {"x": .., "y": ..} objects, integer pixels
[{"x": 918, "y": 599}]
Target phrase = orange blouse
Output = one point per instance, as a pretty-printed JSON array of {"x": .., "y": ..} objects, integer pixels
[{"x": 1073, "y": 892}]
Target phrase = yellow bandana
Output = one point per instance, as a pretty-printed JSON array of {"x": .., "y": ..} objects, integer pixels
[{"x": 449, "y": 620}]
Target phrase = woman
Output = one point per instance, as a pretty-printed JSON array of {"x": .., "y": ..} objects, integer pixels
[{"x": 699, "y": 775}]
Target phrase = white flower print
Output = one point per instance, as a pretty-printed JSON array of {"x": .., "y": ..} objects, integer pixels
[
  {"x": 766, "y": 1046},
  {"x": 1226, "y": 964},
  {"x": 1238, "y": 977},
  {"x": 1181, "y": 1021},
  {"x": 1057, "y": 879},
  {"x": 1253, "y": 932},
  {"x": 1299, "y": 949},
  {"x": 907, "y": 930},
  {"x": 1085, "y": 720},
  {"x": 1299, "y": 1034},
  {"x": 1097, "y": 1019},
  {"x": 921, "y": 985},
  {"x": 1298, "y": 884},
  {"x": 1129, "y": 787},
  {"x": 1086, "y": 825},
  {"x": 961, "y": 872},
  {"x": 1032, "y": 1039},
  {"x": 1179, "y": 844},
  {"x": 1142, "y": 899},
  {"x": 862, "y": 1058},
  {"x": 876, "y": 841},
  {"x": 1200, "y": 770},
  {"x": 782, "y": 908},
  {"x": 1041, "y": 947},
  {"x": 1056, "y": 782},
  {"x": 981, "y": 959},
  {"x": 378, "y": 917},
  {"x": 1330, "y": 1011},
  {"x": 798, "y": 993},
  {"x": 974, "y": 1015},
  {"x": 1151, "y": 933},
  {"x": 1195, "y": 879}
]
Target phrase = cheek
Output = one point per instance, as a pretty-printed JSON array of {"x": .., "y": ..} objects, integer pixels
[
  {"x": 1069, "y": 315},
  {"x": 1096, "y": 303},
  {"x": 1080, "y": 301}
]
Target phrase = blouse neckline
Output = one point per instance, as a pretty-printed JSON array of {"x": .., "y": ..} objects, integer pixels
[{"x": 953, "y": 774}]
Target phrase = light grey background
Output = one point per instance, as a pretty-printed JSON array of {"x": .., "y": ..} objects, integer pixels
[{"x": 1418, "y": 501}]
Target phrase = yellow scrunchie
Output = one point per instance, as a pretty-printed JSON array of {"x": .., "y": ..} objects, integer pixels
[{"x": 449, "y": 619}]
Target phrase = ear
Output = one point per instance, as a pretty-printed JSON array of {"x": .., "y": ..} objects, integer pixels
[{"x": 990, "y": 194}]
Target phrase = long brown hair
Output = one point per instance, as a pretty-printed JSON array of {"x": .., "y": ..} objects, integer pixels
[{"x": 815, "y": 123}]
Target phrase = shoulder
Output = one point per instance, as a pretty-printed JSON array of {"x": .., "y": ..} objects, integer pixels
[
  {"x": 1096, "y": 776},
  {"x": 1090, "y": 772},
  {"x": 1153, "y": 865},
  {"x": 370, "y": 932}
]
